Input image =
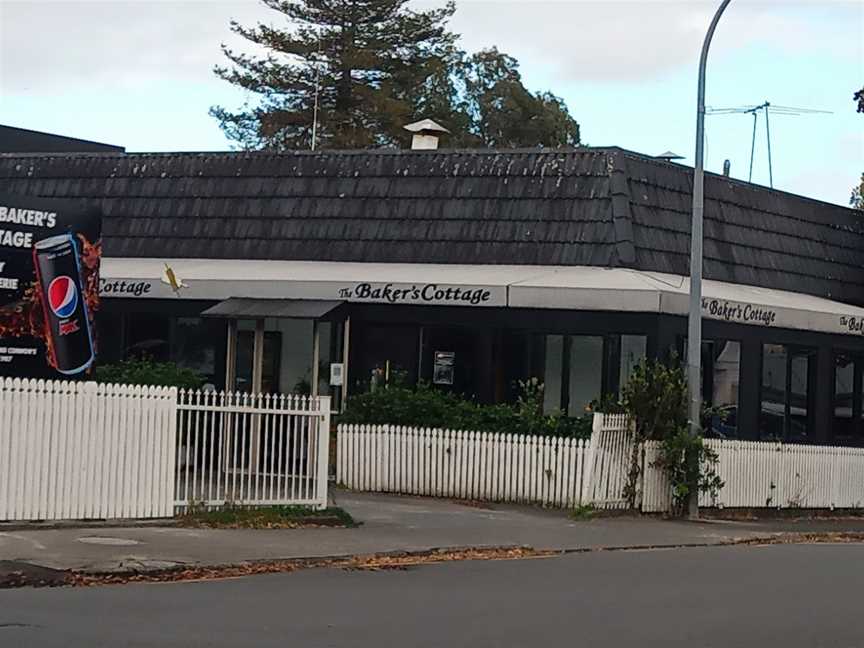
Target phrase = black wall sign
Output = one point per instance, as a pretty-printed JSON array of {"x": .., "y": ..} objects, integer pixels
[{"x": 49, "y": 287}]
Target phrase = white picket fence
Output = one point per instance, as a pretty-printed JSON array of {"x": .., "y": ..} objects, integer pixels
[
  {"x": 568, "y": 472},
  {"x": 84, "y": 451},
  {"x": 761, "y": 474},
  {"x": 244, "y": 449},
  {"x": 464, "y": 465}
]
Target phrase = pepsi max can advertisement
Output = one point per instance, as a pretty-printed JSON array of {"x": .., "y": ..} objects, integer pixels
[
  {"x": 49, "y": 277},
  {"x": 67, "y": 323}
]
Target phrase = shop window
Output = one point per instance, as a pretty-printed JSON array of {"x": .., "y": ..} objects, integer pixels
[
  {"x": 194, "y": 345},
  {"x": 721, "y": 376},
  {"x": 189, "y": 342},
  {"x": 633, "y": 350},
  {"x": 573, "y": 372},
  {"x": 786, "y": 393},
  {"x": 848, "y": 423},
  {"x": 148, "y": 336},
  {"x": 387, "y": 354},
  {"x": 586, "y": 371},
  {"x": 552, "y": 375}
]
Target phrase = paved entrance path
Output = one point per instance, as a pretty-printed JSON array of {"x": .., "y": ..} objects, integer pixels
[{"x": 389, "y": 523}]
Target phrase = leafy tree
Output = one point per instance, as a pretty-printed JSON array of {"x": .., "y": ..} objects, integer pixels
[
  {"x": 502, "y": 112},
  {"x": 859, "y": 97},
  {"x": 379, "y": 65}
]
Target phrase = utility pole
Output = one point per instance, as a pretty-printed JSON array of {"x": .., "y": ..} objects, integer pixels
[{"x": 694, "y": 318}]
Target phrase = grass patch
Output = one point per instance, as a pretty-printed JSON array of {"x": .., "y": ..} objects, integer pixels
[
  {"x": 266, "y": 517},
  {"x": 583, "y": 513}
]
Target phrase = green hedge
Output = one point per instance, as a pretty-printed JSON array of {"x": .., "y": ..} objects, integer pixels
[
  {"x": 429, "y": 407},
  {"x": 148, "y": 372}
]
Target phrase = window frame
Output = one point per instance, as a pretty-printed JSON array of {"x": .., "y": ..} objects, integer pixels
[
  {"x": 857, "y": 357},
  {"x": 792, "y": 351}
]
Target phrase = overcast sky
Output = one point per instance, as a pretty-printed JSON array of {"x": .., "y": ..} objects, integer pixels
[{"x": 139, "y": 74}]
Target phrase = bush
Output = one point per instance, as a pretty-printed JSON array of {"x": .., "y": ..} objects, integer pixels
[
  {"x": 148, "y": 372},
  {"x": 429, "y": 407},
  {"x": 656, "y": 398}
]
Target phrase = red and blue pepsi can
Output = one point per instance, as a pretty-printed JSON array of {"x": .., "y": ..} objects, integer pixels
[{"x": 67, "y": 322}]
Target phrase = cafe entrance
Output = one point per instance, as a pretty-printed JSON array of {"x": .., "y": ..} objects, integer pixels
[{"x": 285, "y": 346}]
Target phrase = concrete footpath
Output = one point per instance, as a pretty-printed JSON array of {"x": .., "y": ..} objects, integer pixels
[{"x": 388, "y": 524}]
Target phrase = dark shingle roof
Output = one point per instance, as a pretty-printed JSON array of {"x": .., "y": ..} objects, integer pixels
[
  {"x": 22, "y": 140},
  {"x": 590, "y": 206}
]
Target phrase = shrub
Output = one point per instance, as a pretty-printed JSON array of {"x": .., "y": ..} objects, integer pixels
[
  {"x": 656, "y": 398},
  {"x": 148, "y": 372},
  {"x": 429, "y": 407}
]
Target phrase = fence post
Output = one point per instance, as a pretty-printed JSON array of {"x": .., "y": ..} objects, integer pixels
[
  {"x": 170, "y": 448},
  {"x": 323, "y": 450}
]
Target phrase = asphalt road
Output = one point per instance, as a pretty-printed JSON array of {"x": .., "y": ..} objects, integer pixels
[{"x": 783, "y": 596}]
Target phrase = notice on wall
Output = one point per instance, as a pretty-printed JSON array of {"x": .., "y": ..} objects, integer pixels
[
  {"x": 444, "y": 368},
  {"x": 49, "y": 286},
  {"x": 336, "y": 374}
]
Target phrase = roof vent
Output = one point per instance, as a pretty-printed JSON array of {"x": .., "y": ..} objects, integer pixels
[
  {"x": 426, "y": 134},
  {"x": 669, "y": 156}
]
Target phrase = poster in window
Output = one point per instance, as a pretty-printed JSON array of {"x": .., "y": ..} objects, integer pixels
[
  {"x": 443, "y": 368},
  {"x": 49, "y": 286}
]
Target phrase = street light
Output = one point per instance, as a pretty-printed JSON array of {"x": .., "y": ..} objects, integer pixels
[{"x": 694, "y": 317}]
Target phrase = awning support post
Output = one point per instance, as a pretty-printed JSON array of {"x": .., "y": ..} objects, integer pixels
[
  {"x": 346, "y": 348},
  {"x": 231, "y": 357},
  {"x": 257, "y": 386},
  {"x": 316, "y": 355}
]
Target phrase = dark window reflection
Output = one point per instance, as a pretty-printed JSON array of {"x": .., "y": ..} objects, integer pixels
[
  {"x": 787, "y": 379},
  {"x": 848, "y": 423}
]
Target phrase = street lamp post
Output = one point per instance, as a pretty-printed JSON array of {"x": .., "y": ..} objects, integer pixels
[{"x": 694, "y": 318}]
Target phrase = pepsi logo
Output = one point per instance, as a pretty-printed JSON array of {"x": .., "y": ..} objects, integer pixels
[{"x": 63, "y": 296}]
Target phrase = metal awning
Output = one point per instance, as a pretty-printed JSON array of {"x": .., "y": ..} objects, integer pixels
[{"x": 248, "y": 308}]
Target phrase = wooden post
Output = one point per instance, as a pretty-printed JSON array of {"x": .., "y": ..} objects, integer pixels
[
  {"x": 231, "y": 357},
  {"x": 316, "y": 355},
  {"x": 258, "y": 357},
  {"x": 257, "y": 379},
  {"x": 346, "y": 348}
]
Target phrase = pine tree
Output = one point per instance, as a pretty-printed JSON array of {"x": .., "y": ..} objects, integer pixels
[
  {"x": 366, "y": 58},
  {"x": 362, "y": 69}
]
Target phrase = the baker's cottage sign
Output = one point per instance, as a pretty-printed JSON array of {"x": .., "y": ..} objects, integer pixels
[
  {"x": 738, "y": 312},
  {"x": 852, "y": 324},
  {"x": 390, "y": 293}
]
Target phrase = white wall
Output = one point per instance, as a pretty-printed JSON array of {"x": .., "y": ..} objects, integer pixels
[{"x": 295, "y": 363}]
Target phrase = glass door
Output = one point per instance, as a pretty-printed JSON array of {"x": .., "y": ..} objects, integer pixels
[{"x": 245, "y": 345}]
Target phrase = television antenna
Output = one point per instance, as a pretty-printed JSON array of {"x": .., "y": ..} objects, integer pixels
[
  {"x": 765, "y": 108},
  {"x": 317, "y": 93}
]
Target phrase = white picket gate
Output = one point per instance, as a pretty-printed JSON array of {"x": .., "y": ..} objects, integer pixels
[
  {"x": 81, "y": 450},
  {"x": 611, "y": 460},
  {"x": 460, "y": 464},
  {"x": 244, "y": 449}
]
